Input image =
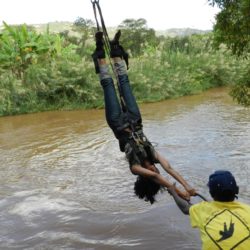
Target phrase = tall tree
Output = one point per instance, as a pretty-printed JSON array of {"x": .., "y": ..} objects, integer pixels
[
  {"x": 136, "y": 35},
  {"x": 232, "y": 28},
  {"x": 85, "y": 28},
  {"x": 233, "y": 25}
]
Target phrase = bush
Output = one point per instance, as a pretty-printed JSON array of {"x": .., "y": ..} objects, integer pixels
[{"x": 174, "y": 67}]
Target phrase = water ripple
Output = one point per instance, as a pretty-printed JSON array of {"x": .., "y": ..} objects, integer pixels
[{"x": 66, "y": 185}]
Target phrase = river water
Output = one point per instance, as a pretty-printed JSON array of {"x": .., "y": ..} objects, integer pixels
[{"x": 65, "y": 185}]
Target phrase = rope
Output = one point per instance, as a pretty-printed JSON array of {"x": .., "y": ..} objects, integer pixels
[
  {"x": 96, "y": 7},
  {"x": 102, "y": 20},
  {"x": 201, "y": 196}
]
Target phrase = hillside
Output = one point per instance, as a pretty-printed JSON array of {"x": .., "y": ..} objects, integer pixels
[
  {"x": 180, "y": 32},
  {"x": 56, "y": 27}
]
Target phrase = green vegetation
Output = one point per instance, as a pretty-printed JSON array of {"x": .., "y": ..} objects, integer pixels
[
  {"x": 233, "y": 25},
  {"x": 47, "y": 71},
  {"x": 136, "y": 36},
  {"x": 232, "y": 28}
]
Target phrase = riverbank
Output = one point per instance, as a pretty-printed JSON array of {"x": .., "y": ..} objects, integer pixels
[
  {"x": 152, "y": 79},
  {"x": 56, "y": 74}
]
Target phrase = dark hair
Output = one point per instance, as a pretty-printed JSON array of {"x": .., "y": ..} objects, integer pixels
[
  {"x": 146, "y": 189},
  {"x": 224, "y": 196}
]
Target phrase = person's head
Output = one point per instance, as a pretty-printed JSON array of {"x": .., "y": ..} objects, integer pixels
[
  {"x": 146, "y": 189},
  {"x": 222, "y": 186}
]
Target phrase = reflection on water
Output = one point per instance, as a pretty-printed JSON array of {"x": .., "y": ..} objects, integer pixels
[{"x": 65, "y": 185}]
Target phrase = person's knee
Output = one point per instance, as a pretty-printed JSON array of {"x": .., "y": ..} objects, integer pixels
[{"x": 106, "y": 81}]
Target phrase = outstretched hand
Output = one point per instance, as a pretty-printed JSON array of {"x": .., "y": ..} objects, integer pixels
[
  {"x": 184, "y": 195},
  {"x": 173, "y": 190},
  {"x": 190, "y": 190},
  {"x": 182, "y": 202}
]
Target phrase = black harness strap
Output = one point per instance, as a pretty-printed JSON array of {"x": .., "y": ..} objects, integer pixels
[
  {"x": 94, "y": 9},
  {"x": 201, "y": 196},
  {"x": 102, "y": 20}
]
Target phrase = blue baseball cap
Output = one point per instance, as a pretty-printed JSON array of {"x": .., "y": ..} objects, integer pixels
[{"x": 222, "y": 180}]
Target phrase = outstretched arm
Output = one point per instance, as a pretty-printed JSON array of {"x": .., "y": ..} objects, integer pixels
[
  {"x": 167, "y": 167},
  {"x": 158, "y": 178},
  {"x": 183, "y": 205}
]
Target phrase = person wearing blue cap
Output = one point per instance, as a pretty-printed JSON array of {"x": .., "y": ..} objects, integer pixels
[{"x": 223, "y": 223}]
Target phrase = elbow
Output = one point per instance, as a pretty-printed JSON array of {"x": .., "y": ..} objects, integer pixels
[
  {"x": 184, "y": 208},
  {"x": 185, "y": 211},
  {"x": 154, "y": 176}
]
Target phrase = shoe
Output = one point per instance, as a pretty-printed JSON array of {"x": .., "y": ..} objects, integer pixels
[
  {"x": 99, "y": 52},
  {"x": 116, "y": 50}
]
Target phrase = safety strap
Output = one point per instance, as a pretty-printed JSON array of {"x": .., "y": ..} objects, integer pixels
[
  {"x": 96, "y": 7},
  {"x": 94, "y": 2},
  {"x": 201, "y": 196},
  {"x": 138, "y": 137}
]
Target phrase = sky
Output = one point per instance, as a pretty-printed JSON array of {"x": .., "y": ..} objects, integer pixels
[{"x": 160, "y": 14}]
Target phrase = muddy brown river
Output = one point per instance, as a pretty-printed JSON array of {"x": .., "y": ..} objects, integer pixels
[{"x": 65, "y": 184}]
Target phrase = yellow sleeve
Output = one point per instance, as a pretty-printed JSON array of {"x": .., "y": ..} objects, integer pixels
[{"x": 195, "y": 213}]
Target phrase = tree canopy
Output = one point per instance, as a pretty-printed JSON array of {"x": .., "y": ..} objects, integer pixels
[
  {"x": 136, "y": 35},
  {"x": 233, "y": 25},
  {"x": 232, "y": 28}
]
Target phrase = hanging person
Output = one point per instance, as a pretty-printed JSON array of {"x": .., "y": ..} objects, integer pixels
[{"x": 126, "y": 123}]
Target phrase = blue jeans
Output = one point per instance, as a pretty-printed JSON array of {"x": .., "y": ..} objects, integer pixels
[{"x": 118, "y": 119}]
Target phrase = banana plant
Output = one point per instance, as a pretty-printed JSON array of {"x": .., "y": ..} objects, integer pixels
[{"x": 20, "y": 47}]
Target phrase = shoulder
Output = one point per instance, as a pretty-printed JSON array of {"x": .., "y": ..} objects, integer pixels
[
  {"x": 243, "y": 205},
  {"x": 196, "y": 213},
  {"x": 201, "y": 205}
]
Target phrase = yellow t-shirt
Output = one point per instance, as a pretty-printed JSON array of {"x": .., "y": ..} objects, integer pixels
[{"x": 223, "y": 225}]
